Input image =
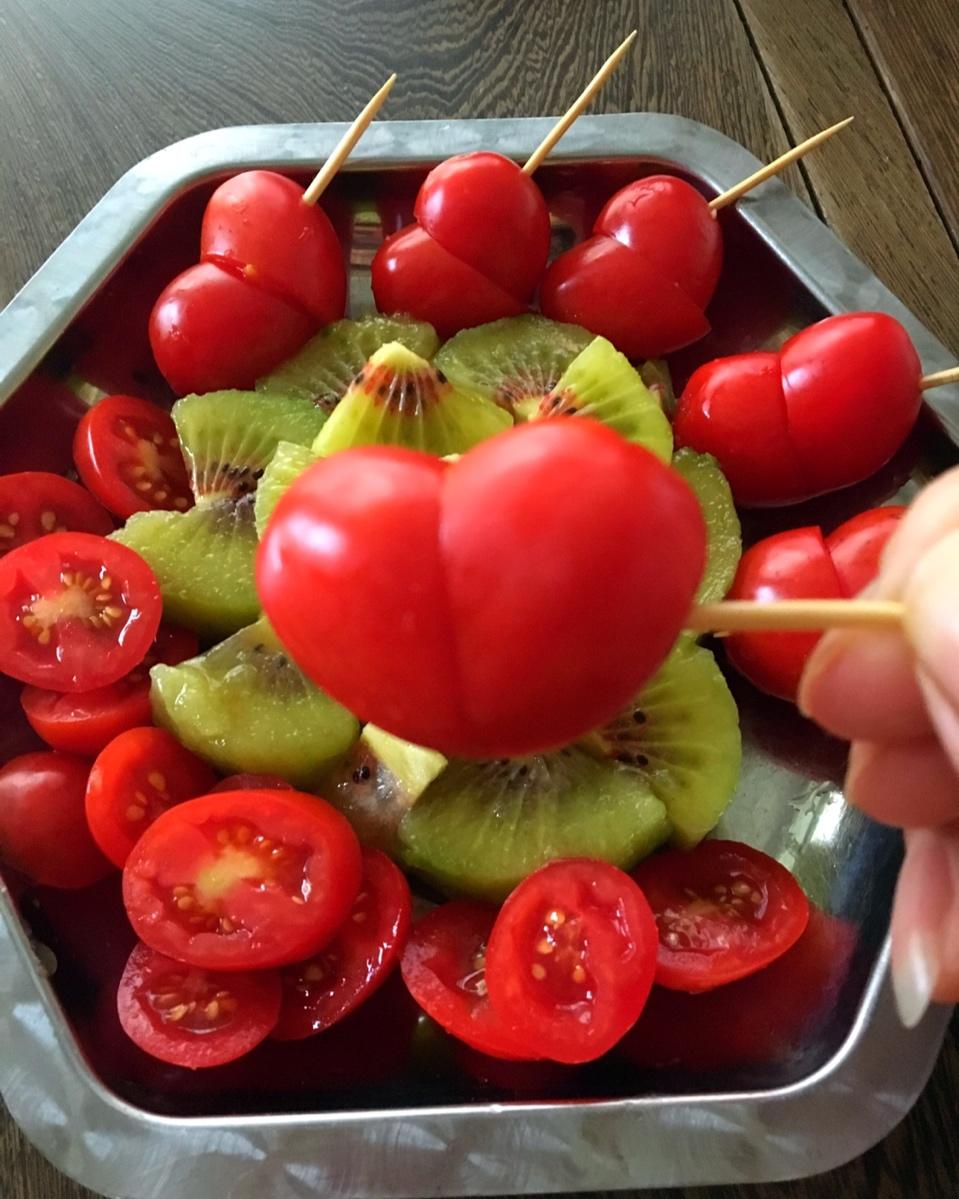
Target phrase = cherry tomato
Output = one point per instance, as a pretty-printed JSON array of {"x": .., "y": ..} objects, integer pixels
[
  {"x": 444, "y": 968},
  {"x": 258, "y": 227},
  {"x": 84, "y": 722},
  {"x": 571, "y": 959},
  {"x": 128, "y": 454},
  {"x": 34, "y": 503},
  {"x": 723, "y": 910},
  {"x": 321, "y": 991},
  {"x": 136, "y": 778},
  {"x": 369, "y": 532},
  {"x": 251, "y": 782},
  {"x": 192, "y": 1017},
  {"x": 43, "y": 830},
  {"x": 211, "y": 331},
  {"x": 76, "y": 611},
  {"x": 856, "y": 547},
  {"x": 243, "y": 879}
]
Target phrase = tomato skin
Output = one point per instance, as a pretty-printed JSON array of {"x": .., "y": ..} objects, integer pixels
[
  {"x": 78, "y": 653},
  {"x": 212, "y": 331},
  {"x": 413, "y": 274},
  {"x": 728, "y": 937},
  {"x": 257, "y": 226},
  {"x": 485, "y": 211},
  {"x": 253, "y": 913},
  {"x": 113, "y": 464},
  {"x": 43, "y": 830},
  {"x": 856, "y": 547},
  {"x": 43, "y": 503},
  {"x": 153, "y": 1001},
  {"x": 318, "y": 993}
]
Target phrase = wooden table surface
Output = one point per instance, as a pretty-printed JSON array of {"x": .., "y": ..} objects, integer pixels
[{"x": 88, "y": 87}]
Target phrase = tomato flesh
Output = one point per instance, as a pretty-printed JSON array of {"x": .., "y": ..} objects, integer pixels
[
  {"x": 34, "y": 503},
  {"x": 242, "y": 879},
  {"x": 723, "y": 910}
]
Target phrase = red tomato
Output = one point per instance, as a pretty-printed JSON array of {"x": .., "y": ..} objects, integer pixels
[
  {"x": 34, "y": 503},
  {"x": 723, "y": 910},
  {"x": 856, "y": 547},
  {"x": 192, "y": 1017},
  {"x": 43, "y": 830},
  {"x": 211, "y": 331},
  {"x": 139, "y": 776},
  {"x": 571, "y": 959},
  {"x": 485, "y": 211},
  {"x": 84, "y": 722},
  {"x": 444, "y": 968},
  {"x": 243, "y": 879},
  {"x": 76, "y": 611},
  {"x": 413, "y": 274},
  {"x": 258, "y": 227},
  {"x": 370, "y": 532},
  {"x": 251, "y": 782},
  {"x": 128, "y": 454},
  {"x": 321, "y": 991}
]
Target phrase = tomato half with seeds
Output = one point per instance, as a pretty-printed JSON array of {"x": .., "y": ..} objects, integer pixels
[
  {"x": 243, "y": 879},
  {"x": 127, "y": 452},
  {"x": 76, "y": 611},
  {"x": 444, "y": 968},
  {"x": 571, "y": 959},
  {"x": 191, "y": 1017},
  {"x": 34, "y": 503},
  {"x": 723, "y": 910},
  {"x": 136, "y": 778},
  {"x": 321, "y": 991}
]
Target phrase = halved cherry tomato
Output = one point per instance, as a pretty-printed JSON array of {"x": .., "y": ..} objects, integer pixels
[
  {"x": 243, "y": 879},
  {"x": 724, "y": 910},
  {"x": 321, "y": 991},
  {"x": 571, "y": 959},
  {"x": 251, "y": 782},
  {"x": 34, "y": 503},
  {"x": 856, "y": 546},
  {"x": 136, "y": 778},
  {"x": 192, "y": 1017},
  {"x": 76, "y": 611},
  {"x": 86, "y": 721},
  {"x": 444, "y": 968},
  {"x": 43, "y": 829},
  {"x": 128, "y": 454}
]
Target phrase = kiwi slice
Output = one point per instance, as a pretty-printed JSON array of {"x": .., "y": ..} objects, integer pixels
[
  {"x": 655, "y": 374},
  {"x": 245, "y": 707},
  {"x": 399, "y": 398},
  {"x": 724, "y": 535},
  {"x": 286, "y": 465},
  {"x": 482, "y": 827},
  {"x": 324, "y": 368},
  {"x": 514, "y": 361},
  {"x": 681, "y": 738}
]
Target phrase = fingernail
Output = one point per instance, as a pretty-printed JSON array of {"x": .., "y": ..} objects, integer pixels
[
  {"x": 861, "y": 756},
  {"x": 829, "y": 650},
  {"x": 915, "y": 971}
]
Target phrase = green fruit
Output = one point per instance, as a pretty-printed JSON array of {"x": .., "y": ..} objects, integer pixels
[
  {"x": 245, "y": 707},
  {"x": 286, "y": 465},
  {"x": 655, "y": 374},
  {"x": 482, "y": 827},
  {"x": 325, "y": 367},
  {"x": 399, "y": 398},
  {"x": 724, "y": 535}
]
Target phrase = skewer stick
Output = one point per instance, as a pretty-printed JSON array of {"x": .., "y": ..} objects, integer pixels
[
  {"x": 777, "y": 165},
  {"x": 564, "y": 122},
  {"x": 940, "y": 378},
  {"x": 346, "y": 143},
  {"x": 793, "y": 616}
]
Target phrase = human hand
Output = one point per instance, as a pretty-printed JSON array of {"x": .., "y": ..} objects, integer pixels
[{"x": 895, "y": 696}]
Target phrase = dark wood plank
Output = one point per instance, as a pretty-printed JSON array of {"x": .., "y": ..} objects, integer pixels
[
  {"x": 866, "y": 180},
  {"x": 916, "y": 49}
]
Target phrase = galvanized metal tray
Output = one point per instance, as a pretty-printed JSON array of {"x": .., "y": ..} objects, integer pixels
[{"x": 415, "y": 1133}]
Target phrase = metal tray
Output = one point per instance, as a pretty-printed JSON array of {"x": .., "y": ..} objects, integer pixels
[{"x": 435, "y": 1130}]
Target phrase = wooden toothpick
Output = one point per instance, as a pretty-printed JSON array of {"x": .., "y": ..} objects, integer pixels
[
  {"x": 940, "y": 378},
  {"x": 564, "y": 122},
  {"x": 794, "y": 616},
  {"x": 346, "y": 143},
  {"x": 777, "y": 165}
]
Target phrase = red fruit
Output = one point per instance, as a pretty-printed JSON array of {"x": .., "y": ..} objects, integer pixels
[
  {"x": 34, "y": 503},
  {"x": 856, "y": 547}
]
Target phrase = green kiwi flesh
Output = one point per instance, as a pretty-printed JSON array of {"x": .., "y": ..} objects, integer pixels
[
  {"x": 324, "y": 368},
  {"x": 482, "y": 827},
  {"x": 514, "y": 361},
  {"x": 285, "y": 467},
  {"x": 399, "y": 398},
  {"x": 724, "y": 535},
  {"x": 245, "y": 707}
]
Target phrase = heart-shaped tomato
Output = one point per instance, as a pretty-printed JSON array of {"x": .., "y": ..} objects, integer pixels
[{"x": 502, "y": 605}]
